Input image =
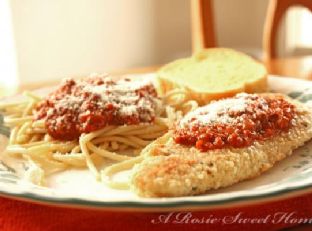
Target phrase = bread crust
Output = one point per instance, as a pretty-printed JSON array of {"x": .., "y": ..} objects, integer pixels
[
  {"x": 254, "y": 86},
  {"x": 258, "y": 86},
  {"x": 171, "y": 169}
]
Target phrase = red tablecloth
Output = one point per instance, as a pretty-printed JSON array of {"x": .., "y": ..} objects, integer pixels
[{"x": 17, "y": 215}]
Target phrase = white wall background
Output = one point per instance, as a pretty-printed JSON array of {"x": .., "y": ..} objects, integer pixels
[
  {"x": 57, "y": 38},
  {"x": 8, "y": 61},
  {"x": 73, "y": 37}
]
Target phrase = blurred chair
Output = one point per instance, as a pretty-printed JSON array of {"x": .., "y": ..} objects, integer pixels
[
  {"x": 203, "y": 34},
  {"x": 276, "y": 10}
]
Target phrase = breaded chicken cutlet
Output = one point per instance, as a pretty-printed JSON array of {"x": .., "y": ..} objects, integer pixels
[{"x": 222, "y": 143}]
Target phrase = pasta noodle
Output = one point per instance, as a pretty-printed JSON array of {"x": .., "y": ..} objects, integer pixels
[{"x": 29, "y": 140}]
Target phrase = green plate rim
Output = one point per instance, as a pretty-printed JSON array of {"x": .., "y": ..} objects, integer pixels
[{"x": 145, "y": 204}]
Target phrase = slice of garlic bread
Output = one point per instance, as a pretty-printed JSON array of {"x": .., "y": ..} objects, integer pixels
[
  {"x": 213, "y": 74},
  {"x": 173, "y": 169}
]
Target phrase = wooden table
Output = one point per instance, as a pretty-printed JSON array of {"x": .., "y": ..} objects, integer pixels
[{"x": 297, "y": 67}]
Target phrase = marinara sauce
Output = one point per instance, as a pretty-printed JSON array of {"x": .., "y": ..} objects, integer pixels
[
  {"x": 235, "y": 122},
  {"x": 83, "y": 106}
]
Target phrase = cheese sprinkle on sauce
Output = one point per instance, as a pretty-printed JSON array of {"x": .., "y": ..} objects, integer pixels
[
  {"x": 234, "y": 122},
  {"x": 83, "y": 106}
]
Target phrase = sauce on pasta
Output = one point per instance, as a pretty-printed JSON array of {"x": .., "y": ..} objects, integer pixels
[
  {"x": 83, "y": 106},
  {"x": 235, "y": 122}
]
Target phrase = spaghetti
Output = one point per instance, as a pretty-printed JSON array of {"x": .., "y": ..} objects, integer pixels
[{"x": 67, "y": 129}]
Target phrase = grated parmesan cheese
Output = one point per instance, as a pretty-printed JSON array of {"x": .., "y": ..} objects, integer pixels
[
  {"x": 218, "y": 111},
  {"x": 82, "y": 106}
]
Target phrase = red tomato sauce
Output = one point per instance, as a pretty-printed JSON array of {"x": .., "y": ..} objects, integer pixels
[
  {"x": 83, "y": 106},
  {"x": 236, "y": 122}
]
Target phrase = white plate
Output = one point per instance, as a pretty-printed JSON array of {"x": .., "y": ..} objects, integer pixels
[{"x": 79, "y": 188}]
